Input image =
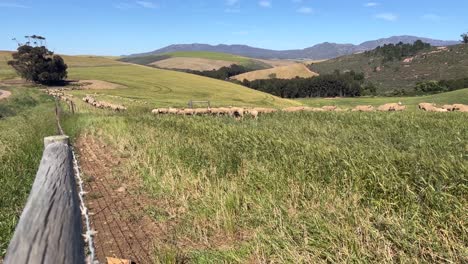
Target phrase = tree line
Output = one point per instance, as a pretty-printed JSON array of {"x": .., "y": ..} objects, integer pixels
[
  {"x": 391, "y": 52},
  {"x": 348, "y": 84},
  {"x": 431, "y": 87},
  {"x": 222, "y": 73}
]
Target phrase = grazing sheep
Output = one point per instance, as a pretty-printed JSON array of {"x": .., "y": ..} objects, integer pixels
[
  {"x": 426, "y": 106},
  {"x": 252, "y": 112},
  {"x": 460, "y": 108},
  {"x": 329, "y": 108},
  {"x": 391, "y": 107},
  {"x": 363, "y": 108},
  {"x": 449, "y": 108},
  {"x": 201, "y": 111},
  {"x": 294, "y": 109},
  {"x": 237, "y": 112},
  {"x": 431, "y": 108},
  {"x": 216, "y": 111},
  {"x": 172, "y": 111},
  {"x": 262, "y": 110},
  {"x": 313, "y": 109}
]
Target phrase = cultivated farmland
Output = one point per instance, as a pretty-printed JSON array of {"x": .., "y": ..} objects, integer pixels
[{"x": 196, "y": 60}]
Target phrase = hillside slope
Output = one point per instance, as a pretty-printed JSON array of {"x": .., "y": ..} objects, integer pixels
[
  {"x": 281, "y": 72},
  {"x": 148, "y": 87},
  {"x": 437, "y": 64},
  {"x": 195, "y": 60}
]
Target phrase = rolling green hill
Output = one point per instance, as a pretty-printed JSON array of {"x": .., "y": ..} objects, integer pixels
[
  {"x": 149, "y": 87},
  {"x": 210, "y": 59},
  {"x": 436, "y": 64},
  {"x": 158, "y": 87}
]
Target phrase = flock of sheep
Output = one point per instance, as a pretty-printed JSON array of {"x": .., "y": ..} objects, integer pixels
[
  {"x": 239, "y": 112},
  {"x": 103, "y": 105},
  {"x": 236, "y": 112},
  {"x": 445, "y": 108},
  {"x": 60, "y": 95}
]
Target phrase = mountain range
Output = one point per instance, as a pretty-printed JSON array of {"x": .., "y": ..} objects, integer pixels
[{"x": 321, "y": 51}]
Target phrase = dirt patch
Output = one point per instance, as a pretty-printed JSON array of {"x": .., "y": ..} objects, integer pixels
[
  {"x": 4, "y": 94},
  {"x": 117, "y": 207}
]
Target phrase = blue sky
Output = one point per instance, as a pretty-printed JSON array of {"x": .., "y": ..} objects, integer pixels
[{"x": 116, "y": 27}]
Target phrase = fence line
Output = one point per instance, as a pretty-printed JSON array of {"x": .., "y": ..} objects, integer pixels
[{"x": 49, "y": 229}]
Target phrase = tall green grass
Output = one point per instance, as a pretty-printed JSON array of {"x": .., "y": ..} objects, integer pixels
[
  {"x": 295, "y": 188},
  {"x": 28, "y": 118}
]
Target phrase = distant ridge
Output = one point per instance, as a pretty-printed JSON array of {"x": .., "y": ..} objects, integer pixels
[{"x": 321, "y": 51}]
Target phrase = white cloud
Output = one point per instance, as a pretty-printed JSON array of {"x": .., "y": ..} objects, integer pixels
[
  {"x": 265, "y": 3},
  {"x": 305, "y": 10},
  {"x": 371, "y": 4},
  {"x": 13, "y": 5},
  {"x": 387, "y": 16},
  {"x": 431, "y": 17},
  {"x": 147, "y": 4}
]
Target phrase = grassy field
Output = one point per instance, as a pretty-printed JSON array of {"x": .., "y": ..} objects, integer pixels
[
  {"x": 287, "y": 188},
  {"x": 281, "y": 72},
  {"x": 6, "y": 72},
  {"x": 460, "y": 97},
  {"x": 449, "y": 64},
  {"x": 28, "y": 116},
  {"x": 147, "y": 87},
  {"x": 160, "y": 88},
  {"x": 298, "y": 188},
  {"x": 196, "y": 64},
  {"x": 209, "y": 57}
]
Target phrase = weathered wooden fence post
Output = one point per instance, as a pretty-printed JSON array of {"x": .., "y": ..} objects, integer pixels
[{"x": 49, "y": 230}]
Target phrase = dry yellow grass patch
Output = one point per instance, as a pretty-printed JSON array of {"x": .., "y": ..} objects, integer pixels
[
  {"x": 283, "y": 72},
  {"x": 197, "y": 64}
]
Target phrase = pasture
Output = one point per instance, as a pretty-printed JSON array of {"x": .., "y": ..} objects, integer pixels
[
  {"x": 302, "y": 187},
  {"x": 286, "y": 188},
  {"x": 25, "y": 119},
  {"x": 158, "y": 87},
  {"x": 196, "y": 60}
]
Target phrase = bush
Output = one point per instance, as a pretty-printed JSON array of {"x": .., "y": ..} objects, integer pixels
[
  {"x": 39, "y": 65},
  {"x": 441, "y": 86}
]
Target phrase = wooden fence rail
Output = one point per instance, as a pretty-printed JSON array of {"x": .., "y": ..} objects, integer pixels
[{"x": 50, "y": 229}]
